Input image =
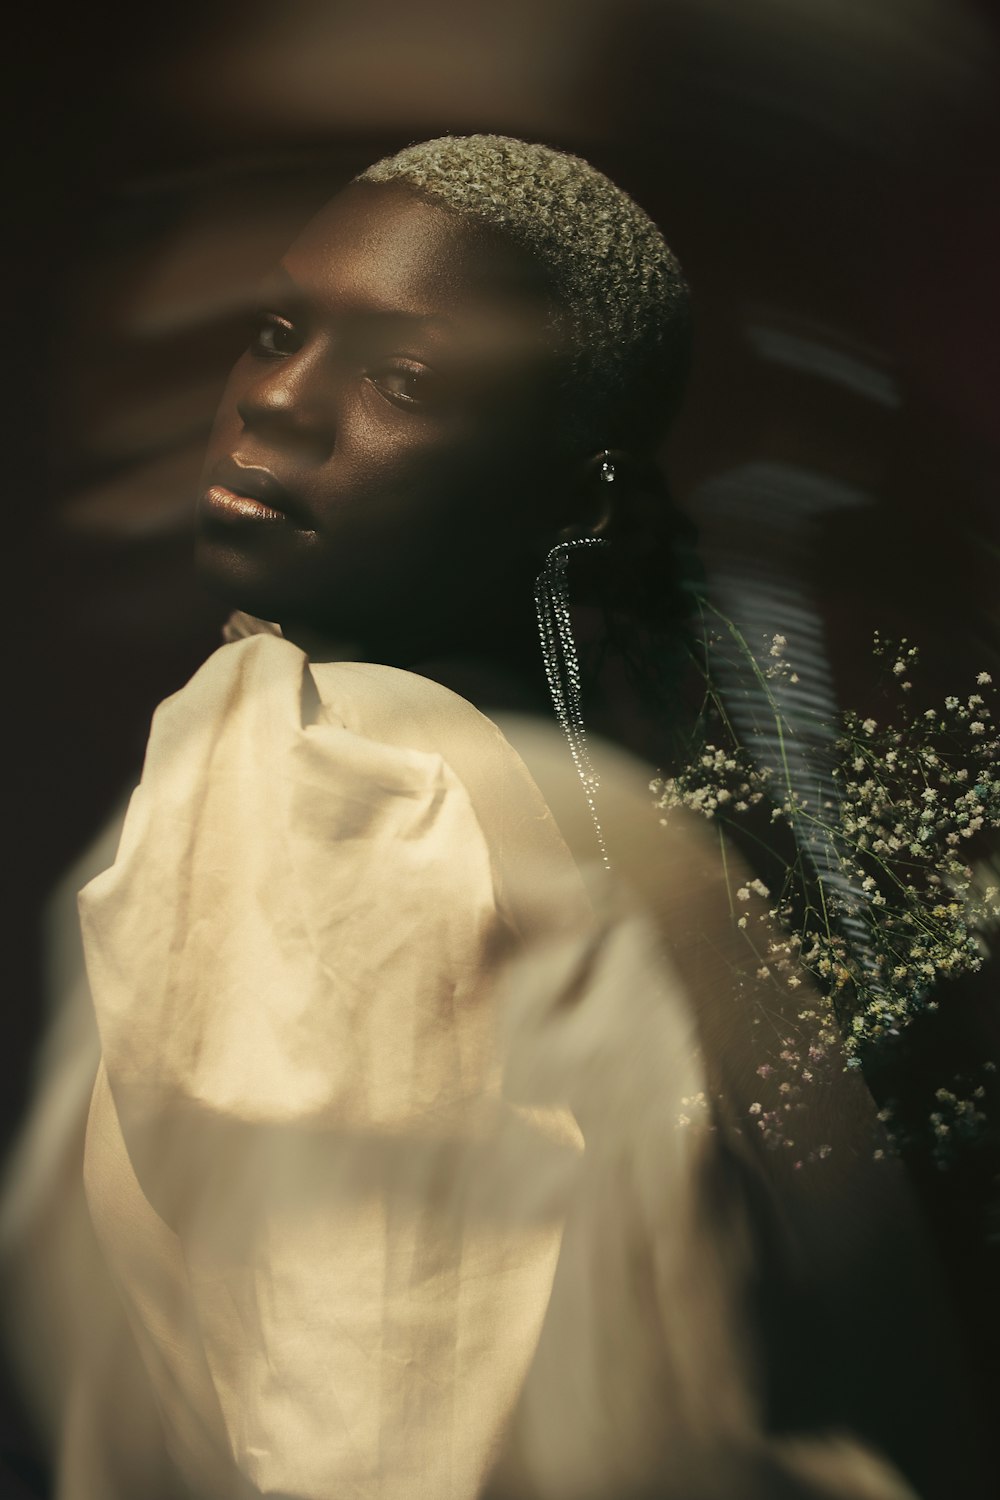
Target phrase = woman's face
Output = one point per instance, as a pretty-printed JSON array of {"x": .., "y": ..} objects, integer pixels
[{"x": 384, "y": 458}]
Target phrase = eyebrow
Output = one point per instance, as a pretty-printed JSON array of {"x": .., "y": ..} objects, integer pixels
[{"x": 280, "y": 283}]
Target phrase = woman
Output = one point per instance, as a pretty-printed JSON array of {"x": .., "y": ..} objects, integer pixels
[{"x": 382, "y": 1161}]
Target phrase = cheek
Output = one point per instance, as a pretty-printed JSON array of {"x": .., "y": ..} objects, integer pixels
[
  {"x": 412, "y": 469},
  {"x": 226, "y": 423}
]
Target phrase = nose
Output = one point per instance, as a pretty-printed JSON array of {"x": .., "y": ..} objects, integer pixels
[{"x": 292, "y": 403}]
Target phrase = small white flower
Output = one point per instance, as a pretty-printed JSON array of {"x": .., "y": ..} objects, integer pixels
[
  {"x": 977, "y": 727},
  {"x": 984, "y": 679},
  {"x": 869, "y": 726},
  {"x": 743, "y": 894}
]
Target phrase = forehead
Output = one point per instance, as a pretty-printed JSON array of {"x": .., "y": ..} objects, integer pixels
[{"x": 382, "y": 248}]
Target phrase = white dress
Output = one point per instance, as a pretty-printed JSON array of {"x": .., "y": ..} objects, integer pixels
[{"x": 388, "y": 1193}]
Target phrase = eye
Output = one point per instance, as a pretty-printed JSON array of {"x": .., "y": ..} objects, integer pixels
[
  {"x": 272, "y": 336},
  {"x": 405, "y": 384}
]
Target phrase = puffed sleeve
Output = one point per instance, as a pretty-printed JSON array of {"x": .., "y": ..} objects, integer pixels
[
  {"x": 291, "y": 961},
  {"x": 357, "y": 1015}
]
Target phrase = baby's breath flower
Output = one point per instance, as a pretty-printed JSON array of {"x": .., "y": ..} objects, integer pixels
[{"x": 903, "y": 805}]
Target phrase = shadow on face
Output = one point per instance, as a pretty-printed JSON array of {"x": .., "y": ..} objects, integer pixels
[{"x": 389, "y": 451}]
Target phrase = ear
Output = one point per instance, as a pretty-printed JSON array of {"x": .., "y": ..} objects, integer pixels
[{"x": 595, "y": 494}]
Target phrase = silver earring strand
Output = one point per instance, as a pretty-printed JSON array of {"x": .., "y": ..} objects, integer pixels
[
  {"x": 562, "y": 667},
  {"x": 607, "y": 467}
]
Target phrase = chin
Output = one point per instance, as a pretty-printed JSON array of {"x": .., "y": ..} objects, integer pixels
[
  {"x": 231, "y": 577},
  {"x": 246, "y": 582}
]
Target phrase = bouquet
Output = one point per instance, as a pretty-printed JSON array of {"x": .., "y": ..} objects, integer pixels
[{"x": 879, "y": 831}]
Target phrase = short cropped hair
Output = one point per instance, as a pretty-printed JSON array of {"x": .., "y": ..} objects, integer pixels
[{"x": 624, "y": 301}]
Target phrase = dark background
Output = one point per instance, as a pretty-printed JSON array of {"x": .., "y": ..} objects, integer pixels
[{"x": 825, "y": 169}]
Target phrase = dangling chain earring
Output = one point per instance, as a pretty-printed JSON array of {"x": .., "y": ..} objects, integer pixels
[{"x": 562, "y": 667}]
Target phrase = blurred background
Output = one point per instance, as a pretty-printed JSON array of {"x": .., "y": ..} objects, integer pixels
[{"x": 825, "y": 169}]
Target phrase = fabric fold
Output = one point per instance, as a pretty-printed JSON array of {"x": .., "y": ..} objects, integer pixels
[{"x": 293, "y": 961}]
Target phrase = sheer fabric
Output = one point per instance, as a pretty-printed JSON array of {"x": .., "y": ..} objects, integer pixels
[{"x": 388, "y": 1191}]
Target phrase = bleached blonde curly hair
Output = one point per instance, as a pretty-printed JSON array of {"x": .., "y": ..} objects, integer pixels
[{"x": 624, "y": 302}]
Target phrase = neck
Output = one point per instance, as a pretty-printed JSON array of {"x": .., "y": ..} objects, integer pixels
[{"x": 496, "y": 663}]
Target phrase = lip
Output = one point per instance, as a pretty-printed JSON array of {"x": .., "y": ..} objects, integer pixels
[{"x": 247, "y": 492}]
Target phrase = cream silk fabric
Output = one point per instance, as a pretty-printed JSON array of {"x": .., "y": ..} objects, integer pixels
[
  {"x": 356, "y": 1015},
  {"x": 292, "y": 964}
]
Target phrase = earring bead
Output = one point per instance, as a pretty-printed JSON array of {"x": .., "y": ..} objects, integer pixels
[{"x": 562, "y": 667}]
